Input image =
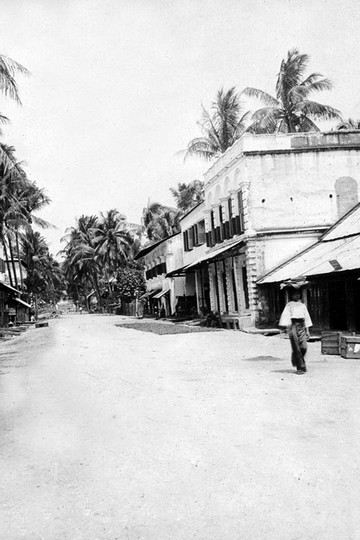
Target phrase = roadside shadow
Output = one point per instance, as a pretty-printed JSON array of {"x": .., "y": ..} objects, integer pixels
[
  {"x": 263, "y": 359},
  {"x": 284, "y": 371}
]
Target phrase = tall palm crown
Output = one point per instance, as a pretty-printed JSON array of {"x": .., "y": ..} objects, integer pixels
[
  {"x": 292, "y": 110},
  {"x": 221, "y": 126},
  {"x": 159, "y": 221},
  {"x": 113, "y": 239},
  {"x": 188, "y": 195}
]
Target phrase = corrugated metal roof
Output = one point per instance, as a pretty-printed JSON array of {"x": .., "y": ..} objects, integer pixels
[
  {"x": 337, "y": 250},
  {"x": 346, "y": 226},
  {"x": 343, "y": 252}
]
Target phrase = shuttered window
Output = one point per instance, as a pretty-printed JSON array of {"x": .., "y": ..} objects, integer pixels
[
  {"x": 201, "y": 232},
  {"x": 241, "y": 211}
]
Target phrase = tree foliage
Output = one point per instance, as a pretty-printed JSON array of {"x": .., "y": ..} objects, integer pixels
[
  {"x": 96, "y": 248},
  {"x": 188, "y": 195},
  {"x": 20, "y": 200},
  {"x": 159, "y": 221},
  {"x": 130, "y": 279}
]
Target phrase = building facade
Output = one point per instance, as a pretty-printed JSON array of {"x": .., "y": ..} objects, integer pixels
[
  {"x": 163, "y": 292},
  {"x": 266, "y": 199}
]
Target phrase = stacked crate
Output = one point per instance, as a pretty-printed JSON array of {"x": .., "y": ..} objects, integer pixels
[
  {"x": 330, "y": 342},
  {"x": 350, "y": 346}
]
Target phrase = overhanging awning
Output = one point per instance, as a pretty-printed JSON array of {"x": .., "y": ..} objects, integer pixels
[
  {"x": 178, "y": 272},
  {"x": 324, "y": 257},
  {"x": 9, "y": 289},
  {"x": 161, "y": 293},
  {"x": 22, "y": 302},
  {"x": 149, "y": 293},
  {"x": 214, "y": 254}
]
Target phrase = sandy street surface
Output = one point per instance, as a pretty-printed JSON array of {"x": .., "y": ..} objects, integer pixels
[{"x": 112, "y": 433}]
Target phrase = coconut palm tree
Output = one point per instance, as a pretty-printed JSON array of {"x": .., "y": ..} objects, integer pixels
[
  {"x": 113, "y": 241},
  {"x": 188, "y": 195},
  {"x": 220, "y": 126},
  {"x": 349, "y": 124},
  {"x": 45, "y": 279},
  {"x": 19, "y": 199},
  {"x": 81, "y": 260},
  {"x": 292, "y": 110},
  {"x": 159, "y": 221}
]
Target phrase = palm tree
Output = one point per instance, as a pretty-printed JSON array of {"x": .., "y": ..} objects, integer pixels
[
  {"x": 188, "y": 195},
  {"x": 159, "y": 221},
  {"x": 221, "y": 127},
  {"x": 45, "y": 279},
  {"x": 82, "y": 264},
  {"x": 113, "y": 241},
  {"x": 292, "y": 110},
  {"x": 19, "y": 199},
  {"x": 349, "y": 124}
]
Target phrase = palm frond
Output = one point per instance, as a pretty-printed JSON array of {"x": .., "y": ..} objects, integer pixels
[
  {"x": 317, "y": 110},
  {"x": 200, "y": 147},
  {"x": 265, "y": 120},
  {"x": 266, "y": 98},
  {"x": 306, "y": 124},
  {"x": 8, "y": 70}
]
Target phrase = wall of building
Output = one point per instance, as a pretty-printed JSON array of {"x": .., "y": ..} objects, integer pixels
[
  {"x": 300, "y": 190},
  {"x": 192, "y": 218},
  {"x": 273, "y": 250}
]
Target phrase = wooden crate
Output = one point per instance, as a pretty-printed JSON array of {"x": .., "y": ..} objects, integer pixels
[
  {"x": 330, "y": 342},
  {"x": 350, "y": 346}
]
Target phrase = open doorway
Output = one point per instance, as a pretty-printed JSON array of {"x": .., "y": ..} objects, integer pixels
[{"x": 337, "y": 306}]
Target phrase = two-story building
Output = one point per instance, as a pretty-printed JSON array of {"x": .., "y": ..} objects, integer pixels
[
  {"x": 160, "y": 258},
  {"x": 267, "y": 198}
]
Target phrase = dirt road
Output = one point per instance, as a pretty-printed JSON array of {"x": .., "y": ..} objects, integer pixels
[{"x": 112, "y": 433}]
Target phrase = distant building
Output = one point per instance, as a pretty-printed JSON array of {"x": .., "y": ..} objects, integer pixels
[{"x": 12, "y": 307}]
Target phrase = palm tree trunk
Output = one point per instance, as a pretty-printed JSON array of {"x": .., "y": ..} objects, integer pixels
[
  {"x": 7, "y": 260},
  {"x": 20, "y": 267},
  {"x": 13, "y": 262},
  {"x": 97, "y": 290}
]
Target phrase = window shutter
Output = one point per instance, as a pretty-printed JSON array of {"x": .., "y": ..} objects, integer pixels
[
  {"x": 201, "y": 232},
  {"x": 241, "y": 211},
  {"x": 191, "y": 238}
]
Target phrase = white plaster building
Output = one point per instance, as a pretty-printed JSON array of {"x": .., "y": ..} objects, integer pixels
[
  {"x": 159, "y": 259},
  {"x": 266, "y": 199}
]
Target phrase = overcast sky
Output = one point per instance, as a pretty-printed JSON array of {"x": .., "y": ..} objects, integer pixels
[{"x": 117, "y": 86}]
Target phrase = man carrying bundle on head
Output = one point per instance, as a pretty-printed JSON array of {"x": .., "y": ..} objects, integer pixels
[{"x": 296, "y": 319}]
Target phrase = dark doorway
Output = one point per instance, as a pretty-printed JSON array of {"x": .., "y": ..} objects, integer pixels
[
  {"x": 356, "y": 305},
  {"x": 337, "y": 306},
  {"x": 224, "y": 287}
]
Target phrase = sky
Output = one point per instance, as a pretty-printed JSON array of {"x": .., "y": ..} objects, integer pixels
[{"x": 116, "y": 87}]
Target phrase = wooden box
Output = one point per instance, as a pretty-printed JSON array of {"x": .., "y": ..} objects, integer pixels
[
  {"x": 330, "y": 342},
  {"x": 350, "y": 346}
]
